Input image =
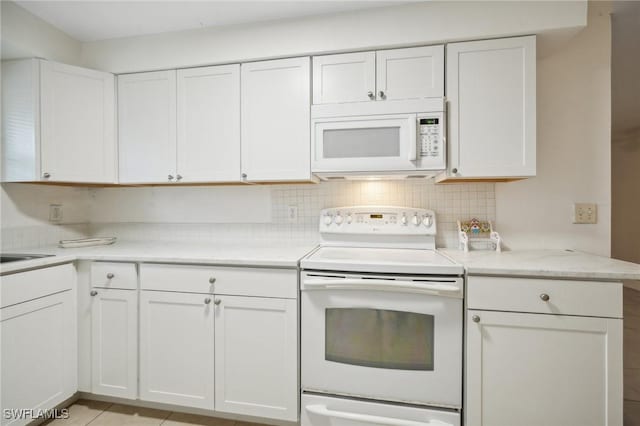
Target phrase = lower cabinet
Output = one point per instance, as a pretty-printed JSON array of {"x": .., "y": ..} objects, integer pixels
[
  {"x": 539, "y": 368},
  {"x": 177, "y": 348},
  {"x": 38, "y": 355},
  {"x": 256, "y": 357},
  {"x": 114, "y": 342}
]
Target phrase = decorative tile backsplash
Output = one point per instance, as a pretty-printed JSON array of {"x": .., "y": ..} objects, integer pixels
[
  {"x": 450, "y": 202},
  {"x": 15, "y": 238}
]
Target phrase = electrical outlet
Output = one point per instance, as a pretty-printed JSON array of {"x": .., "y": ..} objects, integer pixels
[
  {"x": 55, "y": 213},
  {"x": 585, "y": 213},
  {"x": 292, "y": 214}
]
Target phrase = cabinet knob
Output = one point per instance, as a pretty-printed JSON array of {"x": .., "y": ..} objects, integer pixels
[
  {"x": 178, "y": 177},
  {"x": 217, "y": 302},
  {"x": 370, "y": 94},
  {"x": 454, "y": 170},
  {"x": 475, "y": 318},
  {"x": 544, "y": 297},
  {"x": 207, "y": 300},
  {"x": 170, "y": 177},
  {"x": 381, "y": 94},
  {"x": 212, "y": 280},
  {"x": 244, "y": 176},
  {"x": 93, "y": 293},
  {"x": 46, "y": 175},
  {"x": 110, "y": 275}
]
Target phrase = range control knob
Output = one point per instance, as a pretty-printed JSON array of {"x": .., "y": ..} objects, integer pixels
[
  {"x": 427, "y": 221},
  {"x": 403, "y": 219},
  {"x": 349, "y": 219},
  {"x": 328, "y": 219},
  {"x": 415, "y": 220},
  {"x": 338, "y": 219}
]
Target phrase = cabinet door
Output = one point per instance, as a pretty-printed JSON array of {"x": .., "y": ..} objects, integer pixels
[
  {"x": 350, "y": 77},
  {"x": 114, "y": 342},
  {"x": 276, "y": 125},
  {"x": 209, "y": 124},
  {"x": 491, "y": 89},
  {"x": 551, "y": 370},
  {"x": 77, "y": 124},
  {"x": 256, "y": 357},
  {"x": 39, "y": 354},
  {"x": 412, "y": 73},
  {"x": 176, "y": 348},
  {"x": 147, "y": 127}
]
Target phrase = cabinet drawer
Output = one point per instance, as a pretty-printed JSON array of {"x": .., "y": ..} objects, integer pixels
[
  {"x": 114, "y": 275},
  {"x": 565, "y": 297},
  {"x": 23, "y": 286},
  {"x": 263, "y": 282}
]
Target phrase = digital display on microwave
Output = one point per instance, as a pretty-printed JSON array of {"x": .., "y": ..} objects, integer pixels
[
  {"x": 375, "y": 216},
  {"x": 428, "y": 121}
]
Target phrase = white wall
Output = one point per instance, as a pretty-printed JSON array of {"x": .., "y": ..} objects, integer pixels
[
  {"x": 25, "y": 36},
  {"x": 417, "y": 23},
  {"x": 573, "y": 148}
]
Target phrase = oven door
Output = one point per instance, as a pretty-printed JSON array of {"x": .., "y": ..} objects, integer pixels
[
  {"x": 392, "y": 338},
  {"x": 364, "y": 144}
]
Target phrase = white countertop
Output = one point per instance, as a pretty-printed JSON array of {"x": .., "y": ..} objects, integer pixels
[
  {"x": 545, "y": 263},
  {"x": 277, "y": 254}
]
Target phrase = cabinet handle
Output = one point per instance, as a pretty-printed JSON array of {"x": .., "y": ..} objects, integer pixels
[
  {"x": 93, "y": 293},
  {"x": 381, "y": 94},
  {"x": 207, "y": 300},
  {"x": 110, "y": 276},
  {"x": 212, "y": 280},
  {"x": 454, "y": 170},
  {"x": 178, "y": 177},
  {"x": 544, "y": 297},
  {"x": 370, "y": 94},
  {"x": 46, "y": 175},
  {"x": 217, "y": 302},
  {"x": 170, "y": 177},
  {"x": 475, "y": 318}
]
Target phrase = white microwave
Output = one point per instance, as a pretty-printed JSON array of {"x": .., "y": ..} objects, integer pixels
[{"x": 394, "y": 140}]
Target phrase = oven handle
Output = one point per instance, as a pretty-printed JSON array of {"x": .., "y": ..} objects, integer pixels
[
  {"x": 382, "y": 285},
  {"x": 322, "y": 410}
]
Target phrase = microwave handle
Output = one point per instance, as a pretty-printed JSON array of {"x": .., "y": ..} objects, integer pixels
[
  {"x": 413, "y": 139},
  {"x": 322, "y": 410}
]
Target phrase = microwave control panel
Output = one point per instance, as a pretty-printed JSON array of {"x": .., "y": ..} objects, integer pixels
[{"x": 431, "y": 135}]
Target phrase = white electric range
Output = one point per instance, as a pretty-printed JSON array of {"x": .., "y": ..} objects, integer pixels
[{"x": 381, "y": 321}]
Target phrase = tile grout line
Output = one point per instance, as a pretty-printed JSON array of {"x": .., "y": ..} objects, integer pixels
[
  {"x": 166, "y": 418},
  {"x": 101, "y": 413}
]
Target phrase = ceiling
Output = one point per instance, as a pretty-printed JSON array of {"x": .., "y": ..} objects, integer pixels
[{"x": 88, "y": 21}]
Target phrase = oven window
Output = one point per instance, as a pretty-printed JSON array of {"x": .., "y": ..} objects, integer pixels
[
  {"x": 379, "y": 338},
  {"x": 361, "y": 143}
]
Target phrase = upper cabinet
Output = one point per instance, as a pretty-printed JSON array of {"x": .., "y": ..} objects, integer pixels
[
  {"x": 180, "y": 126},
  {"x": 491, "y": 93},
  {"x": 147, "y": 127},
  {"x": 58, "y": 123},
  {"x": 276, "y": 112},
  {"x": 396, "y": 74}
]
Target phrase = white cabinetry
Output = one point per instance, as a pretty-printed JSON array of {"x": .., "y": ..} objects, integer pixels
[
  {"x": 58, "y": 123},
  {"x": 396, "y": 74},
  {"x": 177, "y": 348},
  {"x": 491, "y": 94},
  {"x": 208, "y": 148},
  {"x": 256, "y": 355},
  {"x": 39, "y": 340},
  {"x": 276, "y": 102},
  {"x": 147, "y": 127},
  {"x": 114, "y": 342},
  {"x": 550, "y": 366}
]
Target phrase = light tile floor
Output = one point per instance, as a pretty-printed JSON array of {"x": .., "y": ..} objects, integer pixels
[{"x": 96, "y": 413}]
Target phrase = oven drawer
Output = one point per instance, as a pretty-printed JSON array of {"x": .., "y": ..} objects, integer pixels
[
  {"x": 260, "y": 282},
  {"x": 563, "y": 297},
  {"x": 320, "y": 410},
  {"x": 114, "y": 275}
]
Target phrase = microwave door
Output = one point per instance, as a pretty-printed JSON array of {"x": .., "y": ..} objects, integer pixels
[{"x": 365, "y": 144}]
